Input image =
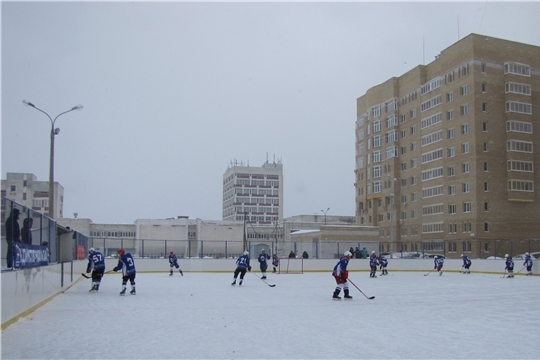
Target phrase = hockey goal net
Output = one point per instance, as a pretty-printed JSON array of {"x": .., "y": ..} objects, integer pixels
[{"x": 291, "y": 266}]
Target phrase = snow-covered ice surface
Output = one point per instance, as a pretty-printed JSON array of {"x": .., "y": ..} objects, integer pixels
[{"x": 201, "y": 316}]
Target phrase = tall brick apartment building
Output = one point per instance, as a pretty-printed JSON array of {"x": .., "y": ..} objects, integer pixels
[{"x": 448, "y": 154}]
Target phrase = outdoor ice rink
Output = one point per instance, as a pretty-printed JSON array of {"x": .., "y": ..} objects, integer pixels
[{"x": 201, "y": 316}]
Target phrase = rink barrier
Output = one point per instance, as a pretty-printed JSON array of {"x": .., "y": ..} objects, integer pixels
[{"x": 24, "y": 291}]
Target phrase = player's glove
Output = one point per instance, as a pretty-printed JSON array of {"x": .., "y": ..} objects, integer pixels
[
  {"x": 88, "y": 271},
  {"x": 115, "y": 269}
]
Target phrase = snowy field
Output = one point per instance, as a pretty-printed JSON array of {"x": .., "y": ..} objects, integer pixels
[{"x": 201, "y": 316}]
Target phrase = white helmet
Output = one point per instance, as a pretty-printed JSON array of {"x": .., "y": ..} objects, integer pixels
[
  {"x": 246, "y": 252},
  {"x": 347, "y": 253},
  {"x": 461, "y": 255},
  {"x": 527, "y": 253},
  {"x": 505, "y": 255},
  {"x": 373, "y": 252},
  {"x": 91, "y": 250},
  {"x": 435, "y": 257}
]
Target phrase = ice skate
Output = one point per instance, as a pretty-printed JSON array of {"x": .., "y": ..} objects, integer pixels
[
  {"x": 234, "y": 282},
  {"x": 181, "y": 273},
  {"x": 93, "y": 289},
  {"x": 132, "y": 292},
  {"x": 347, "y": 296},
  {"x": 336, "y": 297},
  {"x": 170, "y": 274},
  {"x": 240, "y": 283},
  {"x": 264, "y": 277},
  {"x": 123, "y": 292}
]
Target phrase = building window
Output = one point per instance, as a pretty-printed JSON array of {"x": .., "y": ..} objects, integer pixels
[
  {"x": 516, "y": 88},
  {"x": 403, "y": 182},
  {"x": 377, "y": 141},
  {"x": 464, "y": 90},
  {"x": 485, "y": 146},
  {"x": 467, "y": 208},
  {"x": 403, "y": 150},
  {"x": 403, "y": 118},
  {"x": 466, "y": 167},
  {"x": 518, "y": 107},
  {"x": 451, "y": 133},
  {"x": 450, "y": 96},
  {"x": 391, "y": 121},
  {"x": 403, "y": 166},
  {"x": 486, "y": 187},
  {"x": 451, "y": 171},
  {"x": 484, "y": 107},
  {"x": 520, "y": 185},
  {"x": 377, "y": 156},
  {"x": 519, "y": 146},
  {"x": 452, "y": 209},
  {"x": 414, "y": 197},
  {"x": 450, "y": 115},
  {"x": 484, "y": 87},
  {"x": 484, "y": 126},
  {"x": 413, "y": 180},
  {"x": 13, "y": 188},
  {"x": 466, "y": 187},
  {"x": 485, "y": 166},
  {"x": 452, "y": 190},
  {"x": 516, "y": 68},
  {"x": 519, "y": 126},
  {"x": 413, "y": 130},
  {"x": 376, "y": 111},
  {"x": 451, "y": 152},
  {"x": 465, "y": 148},
  {"x": 464, "y": 129},
  {"x": 413, "y": 163},
  {"x": 486, "y": 206},
  {"x": 483, "y": 68},
  {"x": 515, "y": 165},
  {"x": 413, "y": 146},
  {"x": 464, "y": 109},
  {"x": 403, "y": 134},
  {"x": 377, "y": 126},
  {"x": 413, "y": 113},
  {"x": 377, "y": 171}
]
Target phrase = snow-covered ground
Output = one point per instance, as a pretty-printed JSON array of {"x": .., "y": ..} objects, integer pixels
[{"x": 201, "y": 316}]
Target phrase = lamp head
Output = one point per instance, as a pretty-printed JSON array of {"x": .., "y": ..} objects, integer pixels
[
  {"x": 28, "y": 103},
  {"x": 78, "y": 107}
]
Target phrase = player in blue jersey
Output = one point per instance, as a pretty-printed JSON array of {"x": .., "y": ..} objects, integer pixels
[
  {"x": 173, "y": 262},
  {"x": 509, "y": 265},
  {"x": 466, "y": 264},
  {"x": 127, "y": 264},
  {"x": 528, "y": 263},
  {"x": 242, "y": 264},
  {"x": 383, "y": 262},
  {"x": 96, "y": 265},
  {"x": 275, "y": 262},
  {"x": 263, "y": 256},
  {"x": 373, "y": 264},
  {"x": 438, "y": 261},
  {"x": 341, "y": 274}
]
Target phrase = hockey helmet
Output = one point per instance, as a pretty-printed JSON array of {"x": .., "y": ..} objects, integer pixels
[
  {"x": 171, "y": 253},
  {"x": 373, "y": 252},
  {"x": 505, "y": 255},
  {"x": 462, "y": 255},
  {"x": 527, "y": 253},
  {"x": 435, "y": 257},
  {"x": 91, "y": 250},
  {"x": 246, "y": 252},
  {"x": 347, "y": 253},
  {"x": 121, "y": 252}
]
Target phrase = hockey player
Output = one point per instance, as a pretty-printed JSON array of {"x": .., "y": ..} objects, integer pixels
[
  {"x": 438, "y": 261},
  {"x": 263, "y": 256},
  {"x": 275, "y": 262},
  {"x": 466, "y": 264},
  {"x": 173, "y": 262},
  {"x": 383, "y": 262},
  {"x": 96, "y": 265},
  {"x": 528, "y": 263},
  {"x": 373, "y": 265},
  {"x": 127, "y": 264},
  {"x": 242, "y": 264},
  {"x": 341, "y": 275},
  {"x": 509, "y": 265}
]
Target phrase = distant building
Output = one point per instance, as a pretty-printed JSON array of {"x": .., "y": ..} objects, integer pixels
[
  {"x": 253, "y": 192},
  {"x": 447, "y": 154},
  {"x": 25, "y": 189}
]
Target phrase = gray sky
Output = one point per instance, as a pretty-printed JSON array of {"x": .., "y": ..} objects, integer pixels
[{"x": 173, "y": 91}]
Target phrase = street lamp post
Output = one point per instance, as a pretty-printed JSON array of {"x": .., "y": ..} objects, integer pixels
[
  {"x": 54, "y": 132},
  {"x": 324, "y": 212}
]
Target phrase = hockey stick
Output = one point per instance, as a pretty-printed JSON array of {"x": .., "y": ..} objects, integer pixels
[
  {"x": 89, "y": 277},
  {"x": 367, "y": 297},
  {"x": 271, "y": 285},
  {"x": 521, "y": 270},
  {"x": 429, "y": 273},
  {"x": 502, "y": 277}
]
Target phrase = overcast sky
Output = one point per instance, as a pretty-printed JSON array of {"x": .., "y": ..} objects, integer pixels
[{"x": 173, "y": 92}]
